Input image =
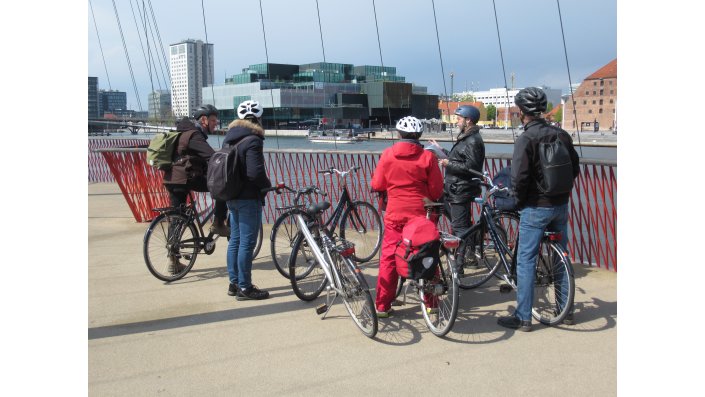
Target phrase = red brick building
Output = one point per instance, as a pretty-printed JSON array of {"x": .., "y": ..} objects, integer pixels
[{"x": 595, "y": 101}]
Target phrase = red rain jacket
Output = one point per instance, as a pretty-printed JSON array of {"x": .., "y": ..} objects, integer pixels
[{"x": 408, "y": 173}]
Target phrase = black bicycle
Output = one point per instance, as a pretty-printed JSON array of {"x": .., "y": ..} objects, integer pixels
[
  {"x": 360, "y": 224},
  {"x": 174, "y": 239}
]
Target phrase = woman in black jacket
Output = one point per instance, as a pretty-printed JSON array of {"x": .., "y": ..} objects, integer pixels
[{"x": 246, "y": 208}]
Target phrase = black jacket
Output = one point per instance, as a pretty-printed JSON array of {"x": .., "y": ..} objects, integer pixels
[
  {"x": 526, "y": 164},
  {"x": 251, "y": 157},
  {"x": 468, "y": 153},
  {"x": 190, "y": 157}
]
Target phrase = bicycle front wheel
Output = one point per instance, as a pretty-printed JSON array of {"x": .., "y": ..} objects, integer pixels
[
  {"x": 440, "y": 298},
  {"x": 356, "y": 296},
  {"x": 170, "y": 246},
  {"x": 554, "y": 287},
  {"x": 306, "y": 276},
  {"x": 282, "y": 239},
  {"x": 362, "y": 226}
]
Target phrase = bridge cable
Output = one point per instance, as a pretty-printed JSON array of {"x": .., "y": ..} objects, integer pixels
[
  {"x": 148, "y": 25},
  {"x": 379, "y": 45},
  {"x": 139, "y": 36},
  {"x": 205, "y": 29},
  {"x": 101, "y": 46},
  {"x": 443, "y": 73},
  {"x": 269, "y": 77},
  {"x": 161, "y": 46},
  {"x": 570, "y": 82},
  {"x": 150, "y": 58},
  {"x": 504, "y": 74},
  {"x": 127, "y": 56},
  {"x": 320, "y": 30}
]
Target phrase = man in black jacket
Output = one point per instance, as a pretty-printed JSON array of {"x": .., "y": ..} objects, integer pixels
[
  {"x": 540, "y": 209},
  {"x": 460, "y": 188}
]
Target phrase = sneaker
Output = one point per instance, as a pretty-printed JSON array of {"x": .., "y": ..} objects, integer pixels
[
  {"x": 385, "y": 313},
  {"x": 233, "y": 289},
  {"x": 568, "y": 320},
  {"x": 174, "y": 266},
  {"x": 220, "y": 229},
  {"x": 514, "y": 323},
  {"x": 252, "y": 293}
]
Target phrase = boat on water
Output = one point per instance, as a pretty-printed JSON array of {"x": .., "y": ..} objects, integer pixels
[{"x": 333, "y": 136}]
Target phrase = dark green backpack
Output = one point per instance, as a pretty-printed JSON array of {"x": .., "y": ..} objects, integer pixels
[{"x": 161, "y": 149}]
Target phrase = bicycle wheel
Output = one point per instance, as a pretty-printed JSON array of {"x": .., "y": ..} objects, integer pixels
[
  {"x": 362, "y": 226},
  {"x": 170, "y": 246},
  {"x": 554, "y": 287},
  {"x": 258, "y": 244},
  {"x": 439, "y": 298},
  {"x": 356, "y": 296},
  {"x": 282, "y": 240},
  {"x": 306, "y": 276}
]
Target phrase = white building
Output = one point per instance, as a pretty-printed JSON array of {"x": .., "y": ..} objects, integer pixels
[
  {"x": 499, "y": 96},
  {"x": 191, "y": 68}
]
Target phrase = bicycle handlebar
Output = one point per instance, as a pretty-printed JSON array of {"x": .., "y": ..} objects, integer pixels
[
  {"x": 332, "y": 170},
  {"x": 300, "y": 192}
]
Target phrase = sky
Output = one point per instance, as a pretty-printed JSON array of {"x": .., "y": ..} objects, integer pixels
[{"x": 530, "y": 34}]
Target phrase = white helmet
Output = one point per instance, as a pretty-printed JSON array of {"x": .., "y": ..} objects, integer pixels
[
  {"x": 410, "y": 126},
  {"x": 249, "y": 108}
]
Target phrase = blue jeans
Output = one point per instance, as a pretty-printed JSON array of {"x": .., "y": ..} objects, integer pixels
[
  {"x": 245, "y": 221},
  {"x": 532, "y": 223}
]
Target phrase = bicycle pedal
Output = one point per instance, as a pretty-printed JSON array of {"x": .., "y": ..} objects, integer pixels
[
  {"x": 322, "y": 308},
  {"x": 505, "y": 288}
]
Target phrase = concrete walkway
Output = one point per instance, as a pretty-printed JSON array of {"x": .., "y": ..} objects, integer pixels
[{"x": 189, "y": 338}]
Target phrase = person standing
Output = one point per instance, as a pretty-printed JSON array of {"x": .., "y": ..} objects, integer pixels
[
  {"x": 408, "y": 174},
  {"x": 461, "y": 186},
  {"x": 246, "y": 207},
  {"x": 540, "y": 210}
]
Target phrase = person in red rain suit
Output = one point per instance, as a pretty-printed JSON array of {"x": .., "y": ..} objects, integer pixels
[{"x": 408, "y": 174}]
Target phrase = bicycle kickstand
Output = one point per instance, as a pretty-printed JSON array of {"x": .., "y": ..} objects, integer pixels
[{"x": 325, "y": 307}]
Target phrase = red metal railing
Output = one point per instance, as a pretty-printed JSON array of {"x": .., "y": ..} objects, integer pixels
[{"x": 593, "y": 206}]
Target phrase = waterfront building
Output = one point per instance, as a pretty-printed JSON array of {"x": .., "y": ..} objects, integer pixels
[
  {"x": 595, "y": 102},
  {"x": 111, "y": 101},
  {"x": 191, "y": 68},
  {"x": 93, "y": 108},
  {"x": 447, "y": 110},
  {"x": 323, "y": 93},
  {"x": 159, "y": 104}
]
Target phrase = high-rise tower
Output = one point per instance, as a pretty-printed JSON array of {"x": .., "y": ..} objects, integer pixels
[{"x": 191, "y": 68}]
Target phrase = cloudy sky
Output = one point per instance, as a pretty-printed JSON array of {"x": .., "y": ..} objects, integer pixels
[{"x": 530, "y": 34}]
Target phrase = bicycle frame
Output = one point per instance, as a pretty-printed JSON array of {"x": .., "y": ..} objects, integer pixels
[{"x": 331, "y": 274}]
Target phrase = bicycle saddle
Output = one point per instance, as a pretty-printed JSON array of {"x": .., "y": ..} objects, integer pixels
[{"x": 316, "y": 208}]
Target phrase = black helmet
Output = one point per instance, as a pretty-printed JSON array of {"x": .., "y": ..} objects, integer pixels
[
  {"x": 468, "y": 112},
  {"x": 205, "y": 110},
  {"x": 531, "y": 101}
]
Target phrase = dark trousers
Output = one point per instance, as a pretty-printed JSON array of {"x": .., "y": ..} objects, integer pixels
[
  {"x": 179, "y": 193},
  {"x": 460, "y": 221}
]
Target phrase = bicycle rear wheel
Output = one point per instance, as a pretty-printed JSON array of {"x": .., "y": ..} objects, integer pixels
[
  {"x": 282, "y": 239},
  {"x": 554, "y": 287},
  {"x": 306, "y": 276},
  {"x": 362, "y": 226},
  {"x": 356, "y": 296},
  {"x": 258, "y": 245},
  {"x": 170, "y": 246},
  {"x": 440, "y": 298}
]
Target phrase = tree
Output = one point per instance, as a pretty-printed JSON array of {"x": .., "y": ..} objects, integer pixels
[
  {"x": 549, "y": 107},
  {"x": 466, "y": 98},
  {"x": 491, "y": 112},
  {"x": 559, "y": 116}
]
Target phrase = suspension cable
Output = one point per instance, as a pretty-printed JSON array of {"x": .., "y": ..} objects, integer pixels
[
  {"x": 139, "y": 36},
  {"x": 205, "y": 29},
  {"x": 161, "y": 46},
  {"x": 379, "y": 45},
  {"x": 149, "y": 57},
  {"x": 504, "y": 72},
  {"x": 320, "y": 30},
  {"x": 101, "y": 46},
  {"x": 570, "y": 82},
  {"x": 145, "y": 18},
  {"x": 127, "y": 56},
  {"x": 443, "y": 73},
  {"x": 269, "y": 77}
]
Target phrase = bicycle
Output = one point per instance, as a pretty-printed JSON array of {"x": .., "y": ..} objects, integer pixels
[
  {"x": 360, "y": 223},
  {"x": 327, "y": 261},
  {"x": 554, "y": 279},
  {"x": 177, "y": 233},
  {"x": 440, "y": 295}
]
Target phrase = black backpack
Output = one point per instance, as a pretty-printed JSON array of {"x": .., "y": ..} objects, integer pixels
[
  {"x": 225, "y": 175},
  {"x": 556, "y": 167},
  {"x": 506, "y": 201}
]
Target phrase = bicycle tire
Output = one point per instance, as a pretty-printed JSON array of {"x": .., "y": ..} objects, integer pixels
[
  {"x": 362, "y": 226},
  {"x": 552, "y": 303},
  {"x": 258, "y": 244},
  {"x": 282, "y": 239},
  {"x": 305, "y": 274},
  {"x": 356, "y": 296},
  {"x": 445, "y": 296},
  {"x": 157, "y": 250}
]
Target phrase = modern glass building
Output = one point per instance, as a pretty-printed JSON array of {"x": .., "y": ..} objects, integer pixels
[
  {"x": 159, "y": 104},
  {"x": 111, "y": 101},
  {"x": 342, "y": 94},
  {"x": 93, "y": 112}
]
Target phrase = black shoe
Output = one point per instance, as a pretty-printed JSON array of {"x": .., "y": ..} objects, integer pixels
[
  {"x": 252, "y": 293},
  {"x": 174, "y": 266},
  {"x": 233, "y": 289},
  {"x": 514, "y": 323},
  {"x": 568, "y": 320}
]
